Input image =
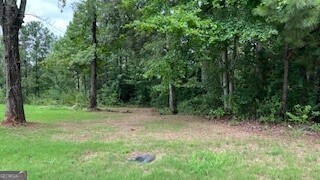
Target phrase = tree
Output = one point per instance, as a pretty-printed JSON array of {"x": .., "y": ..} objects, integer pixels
[
  {"x": 2, "y": 77},
  {"x": 176, "y": 23},
  {"x": 36, "y": 41},
  {"x": 11, "y": 21},
  {"x": 78, "y": 49},
  {"x": 199, "y": 57},
  {"x": 295, "y": 21},
  {"x": 85, "y": 42},
  {"x": 93, "y": 80}
]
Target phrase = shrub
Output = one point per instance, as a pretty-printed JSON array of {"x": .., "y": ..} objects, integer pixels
[
  {"x": 107, "y": 96},
  {"x": 315, "y": 127},
  {"x": 268, "y": 110},
  {"x": 195, "y": 106},
  {"x": 217, "y": 113},
  {"x": 301, "y": 114},
  {"x": 159, "y": 97}
]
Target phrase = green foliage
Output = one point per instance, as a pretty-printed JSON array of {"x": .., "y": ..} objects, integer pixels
[
  {"x": 35, "y": 44},
  {"x": 143, "y": 46},
  {"x": 195, "y": 105},
  {"x": 315, "y": 127},
  {"x": 2, "y": 95},
  {"x": 57, "y": 98},
  {"x": 268, "y": 110},
  {"x": 234, "y": 122},
  {"x": 164, "y": 111},
  {"x": 295, "y": 18},
  {"x": 159, "y": 97},
  {"x": 217, "y": 113},
  {"x": 107, "y": 97},
  {"x": 301, "y": 114}
]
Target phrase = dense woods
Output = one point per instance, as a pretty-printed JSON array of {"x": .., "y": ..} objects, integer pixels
[{"x": 245, "y": 59}]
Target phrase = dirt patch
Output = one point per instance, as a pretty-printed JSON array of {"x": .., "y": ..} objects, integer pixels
[
  {"x": 134, "y": 126},
  {"x": 26, "y": 124}
]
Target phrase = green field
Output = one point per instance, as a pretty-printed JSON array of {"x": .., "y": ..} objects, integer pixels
[{"x": 62, "y": 143}]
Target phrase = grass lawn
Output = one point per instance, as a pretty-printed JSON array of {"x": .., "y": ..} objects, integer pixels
[{"x": 61, "y": 143}]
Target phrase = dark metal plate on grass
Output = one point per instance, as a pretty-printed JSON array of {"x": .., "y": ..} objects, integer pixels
[{"x": 143, "y": 158}]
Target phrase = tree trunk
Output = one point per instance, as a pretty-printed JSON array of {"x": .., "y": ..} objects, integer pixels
[
  {"x": 231, "y": 71},
  {"x": 172, "y": 99},
  {"x": 11, "y": 20},
  {"x": 78, "y": 81},
  {"x": 25, "y": 74},
  {"x": 285, "y": 87},
  {"x": 317, "y": 84},
  {"x": 225, "y": 78},
  {"x": 37, "y": 79},
  {"x": 84, "y": 84},
  {"x": 93, "y": 81}
]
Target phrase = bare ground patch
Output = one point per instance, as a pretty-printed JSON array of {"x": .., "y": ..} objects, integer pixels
[{"x": 134, "y": 126}]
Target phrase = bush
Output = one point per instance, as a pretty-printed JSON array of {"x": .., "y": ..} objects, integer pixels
[
  {"x": 54, "y": 97},
  {"x": 107, "y": 96},
  {"x": 301, "y": 114},
  {"x": 195, "y": 106},
  {"x": 43, "y": 100},
  {"x": 217, "y": 113},
  {"x": 268, "y": 110},
  {"x": 315, "y": 127},
  {"x": 164, "y": 111},
  {"x": 159, "y": 97}
]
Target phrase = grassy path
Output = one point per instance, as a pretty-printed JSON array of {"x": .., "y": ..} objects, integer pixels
[{"x": 68, "y": 144}]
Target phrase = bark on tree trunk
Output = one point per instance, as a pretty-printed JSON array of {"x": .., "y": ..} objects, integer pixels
[
  {"x": 78, "y": 81},
  {"x": 11, "y": 19},
  {"x": 285, "y": 87},
  {"x": 84, "y": 84},
  {"x": 172, "y": 99},
  {"x": 231, "y": 71},
  {"x": 316, "y": 85},
  {"x": 258, "y": 58},
  {"x": 225, "y": 78},
  {"x": 25, "y": 73},
  {"x": 93, "y": 81},
  {"x": 37, "y": 79}
]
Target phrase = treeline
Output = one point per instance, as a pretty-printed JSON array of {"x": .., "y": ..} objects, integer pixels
[{"x": 250, "y": 59}]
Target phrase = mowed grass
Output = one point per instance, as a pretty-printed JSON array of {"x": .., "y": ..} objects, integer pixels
[
  {"x": 52, "y": 114},
  {"x": 62, "y": 143}
]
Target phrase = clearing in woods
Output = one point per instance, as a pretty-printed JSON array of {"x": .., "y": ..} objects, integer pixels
[{"x": 71, "y": 144}]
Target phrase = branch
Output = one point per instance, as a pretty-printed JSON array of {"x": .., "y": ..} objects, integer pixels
[
  {"x": 21, "y": 12},
  {"x": 46, "y": 21}
]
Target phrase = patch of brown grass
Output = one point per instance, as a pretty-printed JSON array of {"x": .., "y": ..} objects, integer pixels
[{"x": 249, "y": 135}]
